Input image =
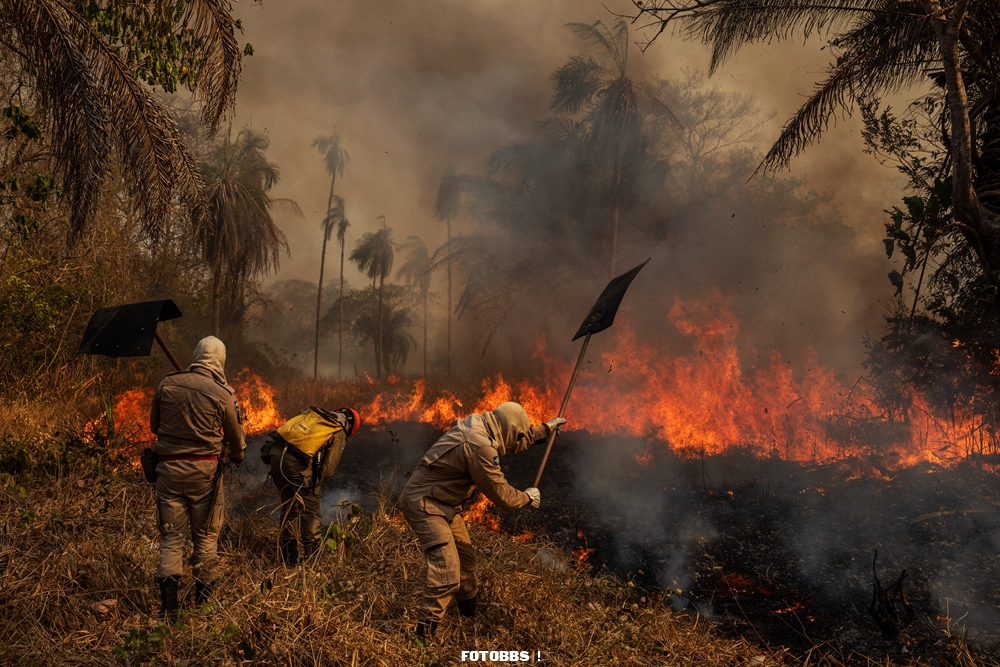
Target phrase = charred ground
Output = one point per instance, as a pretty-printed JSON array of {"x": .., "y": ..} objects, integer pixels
[{"x": 776, "y": 552}]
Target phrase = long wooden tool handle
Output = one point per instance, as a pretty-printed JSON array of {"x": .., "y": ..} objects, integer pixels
[
  {"x": 562, "y": 409},
  {"x": 166, "y": 350}
]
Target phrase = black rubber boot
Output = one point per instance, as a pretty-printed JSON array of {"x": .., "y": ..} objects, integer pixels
[
  {"x": 467, "y": 608},
  {"x": 168, "y": 598},
  {"x": 309, "y": 549},
  {"x": 290, "y": 553},
  {"x": 202, "y": 592}
]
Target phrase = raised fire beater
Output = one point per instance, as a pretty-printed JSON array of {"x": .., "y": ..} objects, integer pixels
[
  {"x": 302, "y": 453},
  {"x": 197, "y": 423},
  {"x": 464, "y": 459}
]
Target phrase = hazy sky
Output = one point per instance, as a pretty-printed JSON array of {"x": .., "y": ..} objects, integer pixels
[{"x": 414, "y": 86}]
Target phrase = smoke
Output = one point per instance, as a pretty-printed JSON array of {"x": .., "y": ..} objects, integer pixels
[{"x": 412, "y": 90}]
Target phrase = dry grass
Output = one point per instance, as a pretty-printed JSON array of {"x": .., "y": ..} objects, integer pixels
[
  {"x": 86, "y": 532},
  {"x": 89, "y": 536}
]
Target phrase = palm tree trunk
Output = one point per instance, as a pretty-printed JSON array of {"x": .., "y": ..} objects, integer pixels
[
  {"x": 378, "y": 372},
  {"x": 448, "y": 356},
  {"x": 216, "y": 299},
  {"x": 319, "y": 302},
  {"x": 381, "y": 343},
  {"x": 425, "y": 333},
  {"x": 340, "y": 344},
  {"x": 322, "y": 261}
]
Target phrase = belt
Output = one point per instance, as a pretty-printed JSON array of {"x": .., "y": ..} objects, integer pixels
[{"x": 188, "y": 457}]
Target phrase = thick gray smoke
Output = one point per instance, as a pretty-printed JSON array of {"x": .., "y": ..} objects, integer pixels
[{"x": 412, "y": 90}]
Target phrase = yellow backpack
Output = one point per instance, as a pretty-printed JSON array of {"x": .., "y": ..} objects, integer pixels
[{"x": 310, "y": 431}]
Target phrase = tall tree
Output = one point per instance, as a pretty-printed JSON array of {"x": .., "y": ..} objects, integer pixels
[
  {"x": 603, "y": 90},
  {"x": 336, "y": 158},
  {"x": 446, "y": 207},
  {"x": 87, "y": 64},
  {"x": 335, "y": 219},
  {"x": 238, "y": 237},
  {"x": 416, "y": 270},
  {"x": 374, "y": 256},
  {"x": 342, "y": 226}
]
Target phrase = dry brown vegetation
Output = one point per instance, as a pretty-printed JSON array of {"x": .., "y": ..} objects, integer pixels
[{"x": 84, "y": 532}]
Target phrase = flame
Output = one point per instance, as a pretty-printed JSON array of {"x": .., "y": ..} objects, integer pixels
[
  {"x": 582, "y": 552},
  {"x": 256, "y": 399},
  {"x": 479, "y": 513},
  {"x": 131, "y": 414},
  {"x": 709, "y": 401}
]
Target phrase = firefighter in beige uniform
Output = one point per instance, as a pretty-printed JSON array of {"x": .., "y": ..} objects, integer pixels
[
  {"x": 302, "y": 453},
  {"x": 465, "y": 458},
  {"x": 197, "y": 423}
]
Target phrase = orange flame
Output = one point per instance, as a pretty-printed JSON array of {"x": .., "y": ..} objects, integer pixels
[
  {"x": 256, "y": 399},
  {"x": 707, "y": 401},
  {"x": 479, "y": 513}
]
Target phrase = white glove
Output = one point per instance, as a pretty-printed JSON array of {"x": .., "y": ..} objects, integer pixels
[
  {"x": 555, "y": 424},
  {"x": 535, "y": 495}
]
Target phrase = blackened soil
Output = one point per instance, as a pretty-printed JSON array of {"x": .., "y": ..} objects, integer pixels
[{"x": 778, "y": 552}]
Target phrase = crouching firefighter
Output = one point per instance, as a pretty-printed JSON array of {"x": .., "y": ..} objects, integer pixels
[
  {"x": 302, "y": 453},
  {"x": 197, "y": 423},
  {"x": 464, "y": 459}
]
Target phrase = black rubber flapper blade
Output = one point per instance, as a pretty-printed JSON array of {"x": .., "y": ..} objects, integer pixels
[
  {"x": 602, "y": 314},
  {"x": 126, "y": 331}
]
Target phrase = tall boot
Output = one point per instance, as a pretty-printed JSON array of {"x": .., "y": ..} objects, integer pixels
[
  {"x": 309, "y": 549},
  {"x": 202, "y": 592},
  {"x": 467, "y": 608},
  {"x": 168, "y": 598},
  {"x": 290, "y": 553}
]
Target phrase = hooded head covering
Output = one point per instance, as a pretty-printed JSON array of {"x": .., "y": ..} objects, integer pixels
[
  {"x": 512, "y": 425},
  {"x": 210, "y": 355}
]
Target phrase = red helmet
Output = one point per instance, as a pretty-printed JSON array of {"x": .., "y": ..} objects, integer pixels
[{"x": 353, "y": 419}]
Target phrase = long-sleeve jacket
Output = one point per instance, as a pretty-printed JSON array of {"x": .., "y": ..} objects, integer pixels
[
  {"x": 462, "y": 460},
  {"x": 192, "y": 413}
]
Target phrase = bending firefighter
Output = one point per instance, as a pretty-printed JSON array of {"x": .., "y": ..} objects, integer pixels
[
  {"x": 197, "y": 423},
  {"x": 465, "y": 458},
  {"x": 302, "y": 453}
]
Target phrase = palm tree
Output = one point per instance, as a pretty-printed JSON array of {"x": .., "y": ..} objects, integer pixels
[
  {"x": 238, "y": 237},
  {"x": 89, "y": 80},
  {"x": 612, "y": 109},
  {"x": 446, "y": 208},
  {"x": 335, "y": 218},
  {"x": 374, "y": 256},
  {"x": 336, "y": 158},
  {"x": 416, "y": 270}
]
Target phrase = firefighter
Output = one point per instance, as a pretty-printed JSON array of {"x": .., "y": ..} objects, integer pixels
[
  {"x": 465, "y": 458},
  {"x": 302, "y": 453},
  {"x": 197, "y": 423}
]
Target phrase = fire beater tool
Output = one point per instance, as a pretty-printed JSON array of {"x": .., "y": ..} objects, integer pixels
[
  {"x": 600, "y": 317},
  {"x": 129, "y": 330}
]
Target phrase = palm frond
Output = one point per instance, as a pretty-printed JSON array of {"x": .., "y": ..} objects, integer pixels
[
  {"x": 576, "y": 83},
  {"x": 214, "y": 28},
  {"x": 448, "y": 202},
  {"x": 334, "y": 155},
  {"x": 614, "y": 41},
  {"x": 416, "y": 266},
  {"x": 885, "y": 53}
]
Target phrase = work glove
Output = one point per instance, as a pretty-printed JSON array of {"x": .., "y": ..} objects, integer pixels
[
  {"x": 236, "y": 462},
  {"x": 535, "y": 495},
  {"x": 555, "y": 424}
]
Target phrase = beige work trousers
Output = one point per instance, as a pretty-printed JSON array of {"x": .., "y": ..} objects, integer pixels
[
  {"x": 186, "y": 506},
  {"x": 451, "y": 565},
  {"x": 300, "y": 500}
]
